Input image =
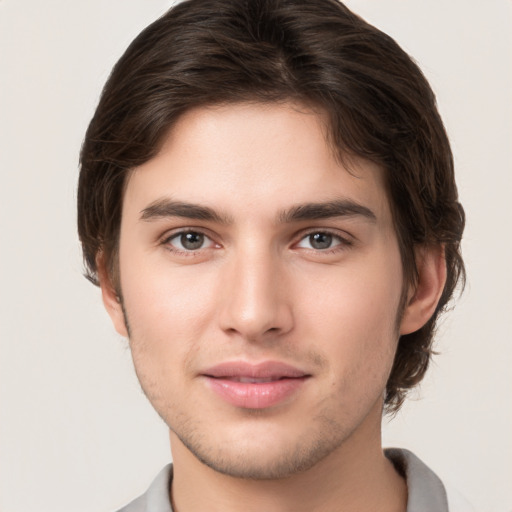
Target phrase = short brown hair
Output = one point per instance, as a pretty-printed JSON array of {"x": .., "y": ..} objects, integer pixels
[{"x": 379, "y": 104}]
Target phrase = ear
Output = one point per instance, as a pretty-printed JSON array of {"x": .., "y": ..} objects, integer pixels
[
  {"x": 111, "y": 299},
  {"x": 424, "y": 295}
]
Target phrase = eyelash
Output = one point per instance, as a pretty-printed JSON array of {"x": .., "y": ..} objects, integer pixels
[
  {"x": 343, "y": 242},
  {"x": 166, "y": 241}
]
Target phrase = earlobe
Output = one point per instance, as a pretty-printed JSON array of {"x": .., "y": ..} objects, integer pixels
[
  {"x": 111, "y": 299},
  {"x": 425, "y": 295}
]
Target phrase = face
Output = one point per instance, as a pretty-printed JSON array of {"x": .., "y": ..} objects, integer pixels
[{"x": 261, "y": 282}]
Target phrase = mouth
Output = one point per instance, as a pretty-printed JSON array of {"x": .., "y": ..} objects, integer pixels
[
  {"x": 250, "y": 380},
  {"x": 255, "y": 386}
]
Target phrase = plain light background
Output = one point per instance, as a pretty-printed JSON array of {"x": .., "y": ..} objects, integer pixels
[{"x": 76, "y": 432}]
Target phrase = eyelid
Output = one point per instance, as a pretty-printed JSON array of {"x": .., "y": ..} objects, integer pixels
[
  {"x": 345, "y": 239},
  {"x": 174, "y": 233}
]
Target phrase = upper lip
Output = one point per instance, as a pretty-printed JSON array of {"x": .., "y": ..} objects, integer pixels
[{"x": 263, "y": 370}]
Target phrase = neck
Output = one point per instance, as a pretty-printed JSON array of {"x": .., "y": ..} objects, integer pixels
[{"x": 356, "y": 476}]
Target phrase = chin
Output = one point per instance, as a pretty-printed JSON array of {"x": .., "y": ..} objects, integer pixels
[{"x": 263, "y": 456}]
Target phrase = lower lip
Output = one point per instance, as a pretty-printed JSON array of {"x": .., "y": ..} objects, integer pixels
[{"x": 258, "y": 395}]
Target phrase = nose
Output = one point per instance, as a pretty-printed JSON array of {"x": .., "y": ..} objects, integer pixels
[{"x": 256, "y": 302}]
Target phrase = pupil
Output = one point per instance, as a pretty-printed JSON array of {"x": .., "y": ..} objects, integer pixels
[
  {"x": 192, "y": 241},
  {"x": 320, "y": 240}
]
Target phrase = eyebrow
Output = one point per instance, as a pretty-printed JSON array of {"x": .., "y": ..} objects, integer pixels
[
  {"x": 163, "y": 208},
  {"x": 329, "y": 209}
]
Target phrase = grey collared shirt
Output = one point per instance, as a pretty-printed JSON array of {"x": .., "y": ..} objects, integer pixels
[{"x": 426, "y": 492}]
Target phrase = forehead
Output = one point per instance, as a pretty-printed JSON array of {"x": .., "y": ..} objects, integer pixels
[{"x": 261, "y": 156}]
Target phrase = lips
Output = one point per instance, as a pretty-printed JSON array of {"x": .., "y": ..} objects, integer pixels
[{"x": 255, "y": 386}]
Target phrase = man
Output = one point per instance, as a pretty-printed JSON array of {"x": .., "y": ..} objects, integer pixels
[{"x": 267, "y": 201}]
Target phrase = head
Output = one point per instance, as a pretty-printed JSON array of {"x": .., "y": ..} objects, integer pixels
[{"x": 374, "y": 103}]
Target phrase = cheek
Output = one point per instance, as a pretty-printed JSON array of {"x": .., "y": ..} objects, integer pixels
[
  {"x": 167, "y": 310},
  {"x": 352, "y": 315},
  {"x": 358, "y": 337},
  {"x": 357, "y": 299}
]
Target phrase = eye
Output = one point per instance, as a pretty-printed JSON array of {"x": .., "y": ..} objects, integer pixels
[
  {"x": 189, "y": 241},
  {"x": 320, "y": 241}
]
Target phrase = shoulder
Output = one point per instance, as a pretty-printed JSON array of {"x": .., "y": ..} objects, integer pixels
[
  {"x": 156, "y": 498},
  {"x": 425, "y": 489},
  {"x": 137, "y": 505}
]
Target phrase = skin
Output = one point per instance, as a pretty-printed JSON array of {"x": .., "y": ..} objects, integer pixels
[{"x": 256, "y": 287}]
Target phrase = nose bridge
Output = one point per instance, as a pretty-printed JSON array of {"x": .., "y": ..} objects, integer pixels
[{"x": 256, "y": 301}]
